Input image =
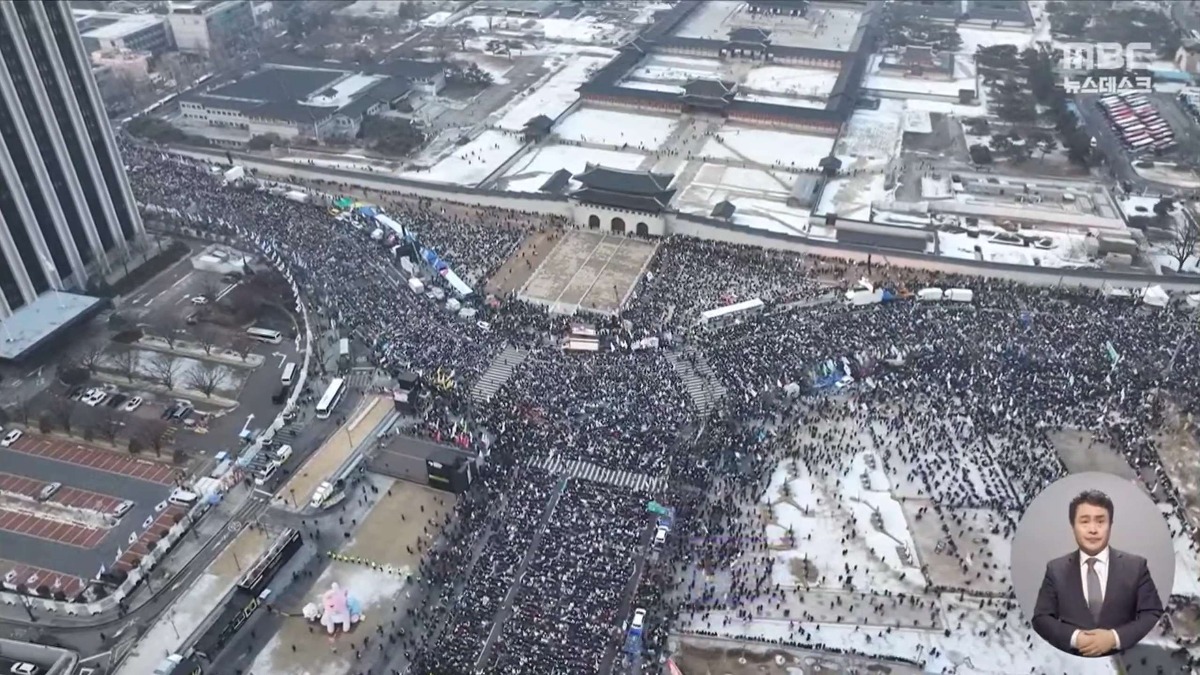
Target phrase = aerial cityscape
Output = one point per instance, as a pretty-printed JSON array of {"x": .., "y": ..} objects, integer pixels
[{"x": 553, "y": 337}]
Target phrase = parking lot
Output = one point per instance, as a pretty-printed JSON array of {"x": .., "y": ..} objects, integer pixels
[
  {"x": 74, "y": 531},
  {"x": 1108, "y": 142}
]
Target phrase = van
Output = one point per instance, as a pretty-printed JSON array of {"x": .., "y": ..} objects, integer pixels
[
  {"x": 266, "y": 474},
  {"x": 181, "y": 497},
  {"x": 283, "y": 453}
]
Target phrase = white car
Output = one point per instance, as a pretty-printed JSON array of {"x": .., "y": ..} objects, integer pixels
[
  {"x": 133, "y": 404},
  {"x": 639, "y": 620},
  {"x": 95, "y": 397},
  {"x": 48, "y": 491},
  {"x": 24, "y": 668},
  {"x": 660, "y": 535},
  {"x": 11, "y": 437},
  {"x": 122, "y": 508},
  {"x": 200, "y": 300}
]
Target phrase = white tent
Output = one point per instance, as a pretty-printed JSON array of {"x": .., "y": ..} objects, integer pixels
[
  {"x": 234, "y": 173},
  {"x": 1193, "y": 300},
  {"x": 929, "y": 294},
  {"x": 960, "y": 295},
  {"x": 1155, "y": 296}
]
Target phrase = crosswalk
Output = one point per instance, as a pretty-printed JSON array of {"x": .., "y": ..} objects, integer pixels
[
  {"x": 699, "y": 379},
  {"x": 582, "y": 470},
  {"x": 499, "y": 370},
  {"x": 360, "y": 377}
]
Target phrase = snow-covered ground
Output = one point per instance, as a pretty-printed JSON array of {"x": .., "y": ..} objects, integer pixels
[
  {"x": 495, "y": 66},
  {"x": 796, "y": 81},
  {"x": 1070, "y": 250},
  {"x": 615, "y": 127},
  {"x": 471, "y": 163},
  {"x": 165, "y": 636},
  {"x": 974, "y": 641},
  {"x": 532, "y": 170},
  {"x": 653, "y": 86},
  {"x": 817, "y": 514},
  {"x": 759, "y": 196},
  {"x": 552, "y": 96},
  {"x": 583, "y": 30},
  {"x": 874, "y": 134},
  {"x": 376, "y": 592},
  {"x": 886, "y": 83},
  {"x": 1137, "y": 205},
  {"x": 792, "y": 101},
  {"x": 852, "y": 196},
  {"x": 646, "y": 12},
  {"x": 677, "y": 68},
  {"x": 436, "y": 19},
  {"x": 767, "y": 147}
]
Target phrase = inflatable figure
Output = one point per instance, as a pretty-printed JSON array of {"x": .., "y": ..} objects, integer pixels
[{"x": 338, "y": 608}]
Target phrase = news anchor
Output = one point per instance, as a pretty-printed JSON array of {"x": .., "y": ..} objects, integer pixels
[{"x": 1095, "y": 600}]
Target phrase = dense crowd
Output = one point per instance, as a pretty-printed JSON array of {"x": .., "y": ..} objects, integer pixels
[{"x": 961, "y": 402}]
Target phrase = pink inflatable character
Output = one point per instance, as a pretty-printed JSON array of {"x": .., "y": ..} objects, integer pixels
[{"x": 336, "y": 602}]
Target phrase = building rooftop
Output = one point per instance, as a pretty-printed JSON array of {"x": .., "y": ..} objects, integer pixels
[
  {"x": 723, "y": 210},
  {"x": 749, "y": 35},
  {"x": 307, "y": 93},
  {"x": 112, "y": 25},
  {"x": 36, "y": 323},
  {"x": 629, "y": 181}
]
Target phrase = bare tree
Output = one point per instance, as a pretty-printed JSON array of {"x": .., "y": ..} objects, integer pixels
[
  {"x": 92, "y": 357},
  {"x": 164, "y": 368},
  {"x": 167, "y": 330},
  {"x": 1185, "y": 238},
  {"x": 109, "y": 424},
  {"x": 126, "y": 362},
  {"x": 23, "y": 409},
  {"x": 154, "y": 434},
  {"x": 242, "y": 346},
  {"x": 60, "y": 411},
  {"x": 206, "y": 377},
  {"x": 207, "y": 337}
]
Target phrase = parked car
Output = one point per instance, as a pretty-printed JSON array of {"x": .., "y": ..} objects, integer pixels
[
  {"x": 169, "y": 412},
  {"x": 283, "y": 453},
  {"x": 48, "y": 491},
  {"x": 116, "y": 400},
  {"x": 660, "y": 535},
  {"x": 76, "y": 393},
  {"x": 200, "y": 300},
  {"x": 11, "y": 437},
  {"x": 133, "y": 404},
  {"x": 25, "y": 668},
  {"x": 122, "y": 508},
  {"x": 95, "y": 398}
]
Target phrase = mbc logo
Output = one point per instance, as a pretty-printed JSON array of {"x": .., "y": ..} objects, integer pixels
[{"x": 1089, "y": 56}]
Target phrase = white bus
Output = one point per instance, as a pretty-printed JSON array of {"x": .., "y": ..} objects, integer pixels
[
  {"x": 289, "y": 373},
  {"x": 330, "y": 398},
  {"x": 265, "y": 335},
  {"x": 734, "y": 313}
]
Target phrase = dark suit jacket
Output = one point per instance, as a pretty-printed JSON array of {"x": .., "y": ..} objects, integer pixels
[{"x": 1131, "y": 604}]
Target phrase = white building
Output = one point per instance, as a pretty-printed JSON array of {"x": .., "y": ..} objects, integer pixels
[
  {"x": 200, "y": 27},
  {"x": 114, "y": 31}
]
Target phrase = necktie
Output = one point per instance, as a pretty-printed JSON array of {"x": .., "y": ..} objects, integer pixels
[{"x": 1095, "y": 596}]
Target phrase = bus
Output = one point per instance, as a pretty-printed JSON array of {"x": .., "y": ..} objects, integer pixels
[
  {"x": 344, "y": 352},
  {"x": 1144, "y": 143},
  {"x": 1137, "y": 138},
  {"x": 289, "y": 373},
  {"x": 734, "y": 313},
  {"x": 330, "y": 398},
  {"x": 265, "y": 335}
]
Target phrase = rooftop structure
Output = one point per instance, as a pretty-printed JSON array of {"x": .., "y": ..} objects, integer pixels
[
  {"x": 115, "y": 31},
  {"x": 534, "y": 8},
  {"x": 625, "y": 189},
  {"x": 708, "y": 93},
  {"x": 322, "y": 99}
]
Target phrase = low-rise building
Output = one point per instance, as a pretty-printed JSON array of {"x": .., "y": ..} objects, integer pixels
[
  {"x": 205, "y": 25},
  {"x": 322, "y": 100},
  {"x": 115, "y": 31}
]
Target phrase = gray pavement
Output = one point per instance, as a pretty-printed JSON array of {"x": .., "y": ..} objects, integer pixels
[{"x": 72, "y": 559}]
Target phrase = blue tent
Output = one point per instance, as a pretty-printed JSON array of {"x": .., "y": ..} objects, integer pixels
[
  {"x": 888, "y": 296},
  {"x": 367, "y": 211}
]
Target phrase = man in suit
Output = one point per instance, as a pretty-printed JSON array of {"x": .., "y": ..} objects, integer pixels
[{"x": 1095, "y": 600}]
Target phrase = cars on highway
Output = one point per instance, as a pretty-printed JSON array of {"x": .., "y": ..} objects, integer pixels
[{"x": 11, "y": 437}]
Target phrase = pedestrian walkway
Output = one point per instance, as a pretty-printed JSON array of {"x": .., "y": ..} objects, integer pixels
[
  {"x": 698, "y": 379},
  {"x": 497, "y": 373},
  {"x": 597, "y": 474},
  {"x": 361, "y": 378}
]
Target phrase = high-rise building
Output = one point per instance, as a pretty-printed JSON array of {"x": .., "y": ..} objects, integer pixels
[{"x": 67, "y": 212}]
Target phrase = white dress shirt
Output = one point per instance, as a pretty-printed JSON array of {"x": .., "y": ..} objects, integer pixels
[{"x": 1101, "y": 567}]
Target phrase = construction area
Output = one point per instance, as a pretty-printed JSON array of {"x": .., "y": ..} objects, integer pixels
[{"x": 588, "y": 271}]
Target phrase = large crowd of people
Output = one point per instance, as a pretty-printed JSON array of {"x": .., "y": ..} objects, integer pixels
[{"x": 961, "y": 401}]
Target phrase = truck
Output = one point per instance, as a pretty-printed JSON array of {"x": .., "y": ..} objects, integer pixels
[{"x": 416, "y": 286}]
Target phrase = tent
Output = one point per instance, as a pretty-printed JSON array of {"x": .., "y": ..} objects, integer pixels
[
  {"x": 1155, "y": 296},
  {"x": 1193, "y": 300},
  {"x": 1113, "y": 292},
  {"x": 343, "y": 202},
  {"x": 367, "y": 211}
]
